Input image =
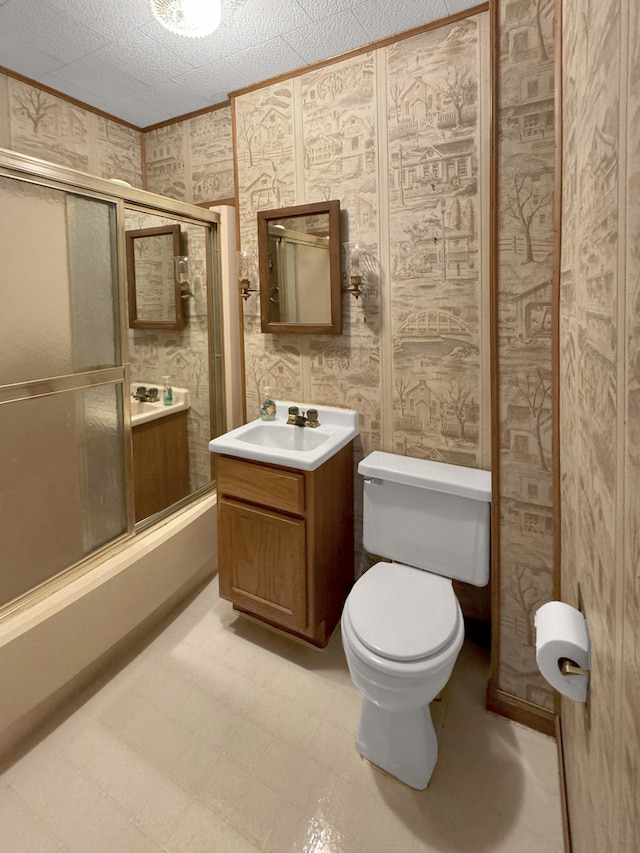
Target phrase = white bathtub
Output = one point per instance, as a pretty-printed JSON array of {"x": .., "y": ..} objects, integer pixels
[{"x": 55, "y": 648}]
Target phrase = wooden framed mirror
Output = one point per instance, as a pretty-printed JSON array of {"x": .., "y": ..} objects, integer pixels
[
  {"x": 299, "y": 268},
  {"x": 154, "y": 290}
]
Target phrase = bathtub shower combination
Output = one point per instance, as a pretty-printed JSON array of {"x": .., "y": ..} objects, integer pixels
[{"x": 68, "y": 353}]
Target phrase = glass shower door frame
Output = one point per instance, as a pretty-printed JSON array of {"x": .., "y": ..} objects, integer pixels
[
  {"x": 34, "y": 171},
  {"x": 87, "y": 381}
]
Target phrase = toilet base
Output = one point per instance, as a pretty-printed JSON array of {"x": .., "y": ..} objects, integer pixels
[{"x": 401, "y": 742}]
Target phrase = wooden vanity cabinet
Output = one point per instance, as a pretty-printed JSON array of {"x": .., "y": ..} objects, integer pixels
[
  {"x": 160, "y": 463},
  {"x": 285, "y": 542}
]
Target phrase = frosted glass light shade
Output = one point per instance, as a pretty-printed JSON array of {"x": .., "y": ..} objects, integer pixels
[{"x": 192, "y": 18}]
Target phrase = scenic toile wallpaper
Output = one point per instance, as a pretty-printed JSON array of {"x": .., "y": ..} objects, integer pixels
[
  {"x": 400, "y": 135},
  {"x": 600, "y": 412},
  {"x": 192, "y": 160},
  {"x": 526, "y": 152},
  {"x": 39, "y": 124}
]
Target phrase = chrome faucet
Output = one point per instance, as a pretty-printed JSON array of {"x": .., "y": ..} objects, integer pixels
[
  {"x": 298, "y": 418},
  {"x": 145, "y": 395}
]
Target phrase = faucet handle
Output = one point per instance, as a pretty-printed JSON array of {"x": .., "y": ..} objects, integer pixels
[
  {"x": 312, "y": 417},
  {"x": 293, "y": 414}
]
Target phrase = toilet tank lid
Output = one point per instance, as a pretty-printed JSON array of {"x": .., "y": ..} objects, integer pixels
[{"x": 425, "y": 474}]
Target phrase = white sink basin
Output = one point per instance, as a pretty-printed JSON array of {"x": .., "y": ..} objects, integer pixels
[
  {"x": 143, "y": 411},
  {"x": 305, "y": 448}
]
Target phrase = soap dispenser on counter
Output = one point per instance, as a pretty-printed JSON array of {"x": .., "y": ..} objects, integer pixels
[
  {"x": 268, "y": 407},
  {"x": 167, "y": 393}
]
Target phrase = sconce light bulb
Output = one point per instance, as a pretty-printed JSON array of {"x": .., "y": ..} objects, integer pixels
[
  {"x": 354, "y": 257},
  {"x": 244, "y": 266},
  {"x": 182, "y": 268}
]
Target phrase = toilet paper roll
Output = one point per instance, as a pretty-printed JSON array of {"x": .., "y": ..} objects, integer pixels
[{"x": 562, "y": 633}]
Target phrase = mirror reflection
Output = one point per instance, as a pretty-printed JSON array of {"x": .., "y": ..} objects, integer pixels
[
  {"x": 298, "y": 271},
  {"x": 170, "y": 396},
  {"x": 152, "y": 281},
  {"x": 299, "y": 258}
]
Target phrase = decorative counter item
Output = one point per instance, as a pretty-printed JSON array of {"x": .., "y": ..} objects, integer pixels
[{"x": 268, "y": 407}]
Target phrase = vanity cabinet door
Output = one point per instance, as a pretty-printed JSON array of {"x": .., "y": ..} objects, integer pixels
[
  {"x": 263, "y": 563},
  {"x": 160, "y": 464}
]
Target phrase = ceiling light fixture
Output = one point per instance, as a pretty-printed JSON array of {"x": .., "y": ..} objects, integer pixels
[{"x": 192, "y": 18}]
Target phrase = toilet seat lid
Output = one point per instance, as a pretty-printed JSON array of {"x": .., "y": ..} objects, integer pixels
[{"x": 402, "y": 613}]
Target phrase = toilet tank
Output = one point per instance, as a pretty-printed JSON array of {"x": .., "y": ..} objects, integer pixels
[{"x": 429, "y": 515}]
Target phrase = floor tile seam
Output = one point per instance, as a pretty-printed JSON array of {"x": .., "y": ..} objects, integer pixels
[
  {"x": 145, "y": 756},
  {"x": 216, "y": 742},
  {"x": 225, "y": 700},
  {"x": 308, "y": 707},
  {"x": 128, "y": 817},
  {"x": 178, "y": 717},
  {"x": 252, "y": 776},
  {"x": 126, "y": 738},
  {"x": 158, "y": 693},
  {"x": 128, "y": 820},
  {"x": 105, "y": 717},
  {"x": 198, "y": 798},
  {"x": 138, "y": 824},
  {"x": 309, "y": 816},
  {"x": 292, "y": 795},
  {"x": 294, "y": 743},
  {"x": 193, "y": 791},
  {"x": 146, "y": 835},
  {"x": 37, "y": 816},
  {"x": 85, "y": 769},
  {"x": 127, "y": 814},
  {"x": 22, "y": 802},
  {"x": 151, "y": 766},
  {"x": 238, "y": 827},
  {"x": 273, "y": 730}
]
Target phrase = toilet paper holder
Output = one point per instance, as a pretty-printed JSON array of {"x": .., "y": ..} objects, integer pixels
[{"x": 569, "y": 667}]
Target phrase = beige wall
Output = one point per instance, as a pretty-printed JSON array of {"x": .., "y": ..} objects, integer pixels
[{"x": 600, "y": 413}]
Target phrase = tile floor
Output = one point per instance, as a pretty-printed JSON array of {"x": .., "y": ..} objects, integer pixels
[{"x": 222, "y": 736}]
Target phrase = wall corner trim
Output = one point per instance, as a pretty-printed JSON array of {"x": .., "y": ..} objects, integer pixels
[
  {"x": 564, "y": 802},
  {"x": 520, "y": 711}
]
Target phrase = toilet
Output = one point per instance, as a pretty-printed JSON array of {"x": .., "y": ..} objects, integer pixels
[{"x": 402, "y": 626}]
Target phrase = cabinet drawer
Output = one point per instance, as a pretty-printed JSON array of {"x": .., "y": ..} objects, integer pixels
[{"x": 272, "y": 487}]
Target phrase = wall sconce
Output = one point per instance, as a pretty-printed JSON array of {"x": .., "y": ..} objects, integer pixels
[
  {"x": 245, "y": 263},
  {"x": 354, "y": 253},
  {"x": 182, "y": 276}
]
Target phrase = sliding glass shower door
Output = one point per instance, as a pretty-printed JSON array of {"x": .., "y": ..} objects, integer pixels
[{"x": 63, "y": 445}]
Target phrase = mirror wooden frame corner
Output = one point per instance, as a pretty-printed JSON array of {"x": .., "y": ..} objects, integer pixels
[
  {"x": 332, "y": 208},
  {"x": 172, "y": 231}
]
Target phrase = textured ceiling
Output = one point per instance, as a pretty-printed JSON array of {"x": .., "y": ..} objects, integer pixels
[{"x": 114, "y": 55}]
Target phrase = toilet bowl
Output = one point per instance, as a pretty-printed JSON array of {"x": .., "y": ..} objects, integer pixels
[
  {"x": 399, "y": 679},
  {"x": 402, "y": 625}
]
